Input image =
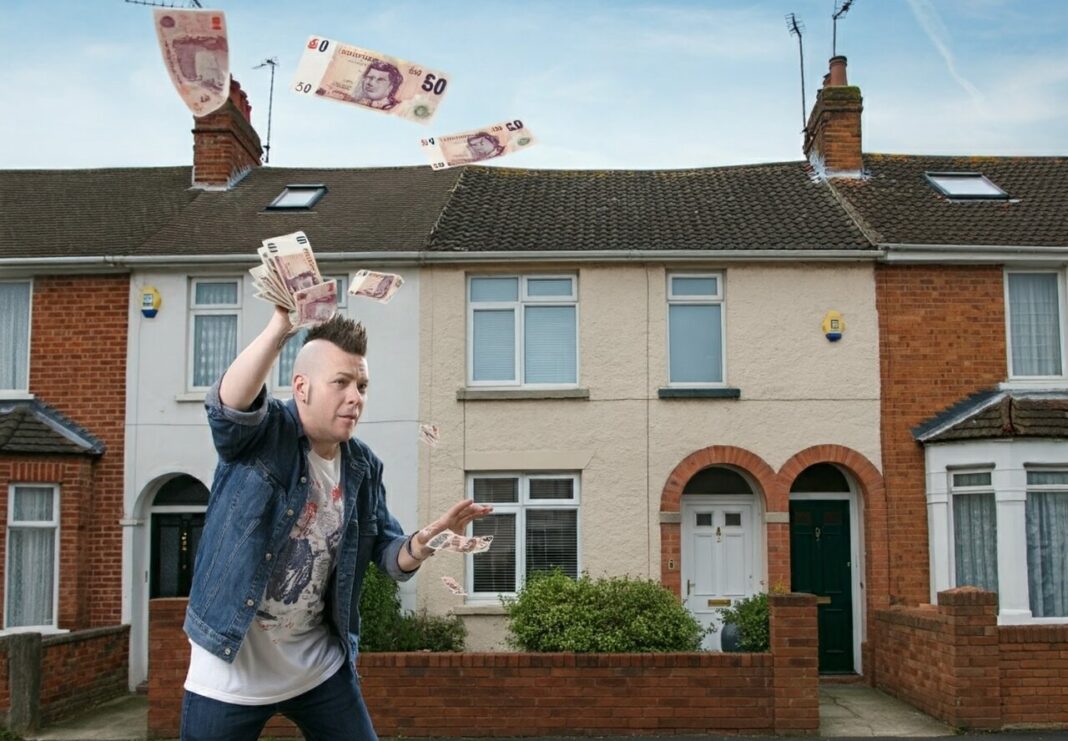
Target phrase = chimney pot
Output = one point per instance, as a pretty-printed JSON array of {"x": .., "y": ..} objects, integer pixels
[
  {"x": 225, "y": 146},
  {"x": 838, "y": 72}
]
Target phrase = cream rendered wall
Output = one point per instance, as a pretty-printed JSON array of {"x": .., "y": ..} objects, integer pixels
[
  {"x": 167, "y": 431},
  {"x": 797, "y": 390}
]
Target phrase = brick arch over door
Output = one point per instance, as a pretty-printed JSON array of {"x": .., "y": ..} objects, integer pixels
[
  {"x": 873, "y": 493},
  {"x": 670, "y": 498}
]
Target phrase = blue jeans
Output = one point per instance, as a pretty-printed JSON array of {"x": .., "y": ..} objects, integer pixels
[{"x": 333, "y": 711}]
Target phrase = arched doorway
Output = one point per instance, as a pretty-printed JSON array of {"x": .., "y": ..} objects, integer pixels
[
  {"x": 723, "y": 554},
  {"x": 176, "y": 523},
  {"x": 825, "y": 560}
]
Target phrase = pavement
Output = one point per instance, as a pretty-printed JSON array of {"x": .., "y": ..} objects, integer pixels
[{"x": 846, "y": 711}]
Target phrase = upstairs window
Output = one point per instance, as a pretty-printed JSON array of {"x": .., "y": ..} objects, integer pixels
[
  {"x": 215, "y": 305},
  {"x": 14, "y": 335},
  {"x": 522, "y": 330},
  {"x": 966, "y": 185},
  {"x": 695, "y": 329},
  {"x": 1035, "y": 306}
]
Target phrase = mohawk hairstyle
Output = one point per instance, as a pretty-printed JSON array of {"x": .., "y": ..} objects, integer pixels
[{"x": 346, "y": 334}]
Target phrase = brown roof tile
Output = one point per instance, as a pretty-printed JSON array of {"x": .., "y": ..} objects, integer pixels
[
  {"x": 898, "y": 205},
  {"x": 34, "y": 427},
  {"x": 754, "y": 207}
]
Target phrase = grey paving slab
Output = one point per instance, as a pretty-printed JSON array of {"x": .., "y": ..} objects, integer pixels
[{"x": 858, "y": 711}]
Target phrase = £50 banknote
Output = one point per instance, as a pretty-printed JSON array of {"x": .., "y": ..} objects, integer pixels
[
  {"x": 367, "y": 79},
  {"x": 197, "y": 57},
  {"x": 477, "y": 145}
]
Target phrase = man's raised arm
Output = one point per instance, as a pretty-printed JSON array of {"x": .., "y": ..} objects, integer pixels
[{"x": 247, "y": 374}]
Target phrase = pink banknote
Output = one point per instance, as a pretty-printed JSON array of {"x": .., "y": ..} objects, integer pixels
[
  {"x": 196, "y": 54},
  {"x": 477, "y": 145},
  {"x": 368, "y": 79}
]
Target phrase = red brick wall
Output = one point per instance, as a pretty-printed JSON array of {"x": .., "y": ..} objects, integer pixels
[
  {"x": 954, "y": 662},
  {"x": 1034, "y": 674},
  {"x": 78, "y": 366},
  {"x": 942, "y": 338},
  {"x": 74, "y": 475},
  {"x": 81, "y": 670},
  {"x": 488, "y": 694}
]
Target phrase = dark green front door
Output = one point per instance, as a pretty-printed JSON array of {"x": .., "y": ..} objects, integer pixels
[
  {"x": 175, "y": 537},
  {"x": 820, "y": 565}
]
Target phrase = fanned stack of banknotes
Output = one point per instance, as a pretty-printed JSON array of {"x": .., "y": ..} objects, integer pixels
[
  {"x": 289, "y": 277},
  {"x": 196, "y": 53}
]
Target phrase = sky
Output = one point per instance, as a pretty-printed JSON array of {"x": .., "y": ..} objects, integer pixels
[{"x": 602, "y": 84}]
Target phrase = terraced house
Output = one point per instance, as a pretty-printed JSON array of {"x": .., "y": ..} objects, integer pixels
[{"x": 842, "y": 375}]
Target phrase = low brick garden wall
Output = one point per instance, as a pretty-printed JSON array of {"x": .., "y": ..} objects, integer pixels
[
  {"x": 523, "y": 694},
  {"x": 955, "y": 663},
  {"x": 56, "y": 676}
]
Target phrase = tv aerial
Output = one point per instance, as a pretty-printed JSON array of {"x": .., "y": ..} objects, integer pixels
[
  {"x": 189, "y": 3},
  {"x": 796, "y": 27},
  {"x": 271, "y": 62},
  {"x": 838, "y": 13}
]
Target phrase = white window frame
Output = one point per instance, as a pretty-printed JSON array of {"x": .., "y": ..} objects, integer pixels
[
  {"x": 196, "y": 310},
  {"x": 1008, "y": 463},
  {"x": 517, "y": 308},
  {"x": 276, "y": 384},
  {"x": 520, "y": 509},
  {"x": 1021, "y": 380},
  {"x": 720, "y": 299},
  {"x": 955, "y": 490},
  {"x": 54, "y": 525},
  {"x": 23, "y": 393},
  {"x": 1028, "y": 489}
]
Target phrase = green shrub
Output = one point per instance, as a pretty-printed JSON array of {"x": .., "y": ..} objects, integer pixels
[
  {"x": 555, "y": 612},
  {"x": 751, "y": 617},
  {"x": 384, "y": 627}
]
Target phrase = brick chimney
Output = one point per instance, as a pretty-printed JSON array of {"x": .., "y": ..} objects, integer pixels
[
  {"x": 832, "y": 134},
  {"x": 225, "y": 146}
]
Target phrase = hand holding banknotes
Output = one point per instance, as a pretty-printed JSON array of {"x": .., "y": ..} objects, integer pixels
[
  {"x": 289, "y": 277},
  {"x": 456, "y": 520}
]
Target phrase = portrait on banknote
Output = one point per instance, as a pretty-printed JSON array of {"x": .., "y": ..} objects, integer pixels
[
  {"x": 483, "y": 145},
  {"x": 379, "y": 85}
]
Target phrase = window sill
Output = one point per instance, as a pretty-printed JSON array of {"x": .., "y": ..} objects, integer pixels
[
  {"x": 486, "y": 608},
  {"x": 190, "y": 396},
  {"x": 14, "y": 395},
  {"x": 477, "y": 394},
  {"x": 698, "y": 393}
]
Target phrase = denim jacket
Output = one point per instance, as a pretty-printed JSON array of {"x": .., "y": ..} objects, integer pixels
[{"x": 260, "y": 489}]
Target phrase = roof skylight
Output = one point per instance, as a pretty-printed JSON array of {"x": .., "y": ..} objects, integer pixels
[
  {"x": 971, "y": 185},
  {"x": 297, "y": 197}
]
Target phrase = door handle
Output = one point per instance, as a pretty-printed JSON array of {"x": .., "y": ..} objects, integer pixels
[{"x": 689, "y": 587}]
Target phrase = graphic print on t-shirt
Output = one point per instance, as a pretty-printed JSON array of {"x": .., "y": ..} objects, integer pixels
[{"x": 293, "y": 600}]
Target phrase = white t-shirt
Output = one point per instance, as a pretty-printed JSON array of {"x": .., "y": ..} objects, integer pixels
[{"x": 288, "y": 650}]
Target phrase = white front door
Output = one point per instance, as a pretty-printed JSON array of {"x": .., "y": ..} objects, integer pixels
[{"x": 717, "y": 559}]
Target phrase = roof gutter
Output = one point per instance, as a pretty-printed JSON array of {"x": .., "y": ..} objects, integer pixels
[
  {"x": 127, "y": 262},
  {"x": 969, "y": 253}
]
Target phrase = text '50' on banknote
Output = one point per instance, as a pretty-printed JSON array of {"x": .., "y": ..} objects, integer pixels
[
  {"x": 477, "y": 145},
  {"x": 368, "y": 79}
]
